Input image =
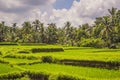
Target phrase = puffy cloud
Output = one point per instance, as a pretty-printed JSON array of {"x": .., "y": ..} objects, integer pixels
[
  {"x": 81, "y": 12},
  {"x": 21, "y": 10},
  {"x": 84, "y": 11}
]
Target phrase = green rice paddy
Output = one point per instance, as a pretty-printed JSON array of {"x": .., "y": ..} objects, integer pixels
[{"x": 21, "y": 61}]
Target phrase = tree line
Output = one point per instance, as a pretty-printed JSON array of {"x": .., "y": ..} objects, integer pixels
[{"x": 104, "y": 33}]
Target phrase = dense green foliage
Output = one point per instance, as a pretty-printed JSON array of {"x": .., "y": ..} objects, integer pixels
[
  {"x": 35, "y": 50},
  {"x": 104, "y": 33},
  {"x": 47, "y": 59},
  {"x": 91, "y": 42},
  {"x": 8, "y": 43}
]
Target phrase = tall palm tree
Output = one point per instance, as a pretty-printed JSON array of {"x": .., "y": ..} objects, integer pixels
[
  {"x": 13, "y": 32},
  {"x": 107, "y": 30},
  {"x": 67, "y": 32},
  {"x": 39, "y": 30},
  {"x": 113, "y": 16},
  {"x": 36, "y": 24},
  {"x": 42, "y": 34},
  {"x": 27, "y": 31},
  {"x": 51, "y": 33},
  {"x": 2, "y": 31}
]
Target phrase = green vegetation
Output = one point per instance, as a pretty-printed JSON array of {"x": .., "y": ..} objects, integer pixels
[
  {"x": 5, "y": 68},
  {"x": 20, "y": 61},
  {"x": 76, "y": 53},
  {"x": 35, "y": 50},
  {"x": 78, "y": 72},
  {"x": 8, "y": 43},
  {"x": 88, "y": 63}
]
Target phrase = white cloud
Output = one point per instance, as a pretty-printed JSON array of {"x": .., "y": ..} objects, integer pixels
[
  {"x": 81, "y": 12},
  {"x": 85, "y": 11}
]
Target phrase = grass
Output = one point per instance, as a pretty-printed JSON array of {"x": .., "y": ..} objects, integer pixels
[
  {"x": 73, "y": 53},
  {"x": 82, "y": 54},
  {"x": 5, "y": 68},
  {"x": 17, "y": 60},
  {"x": 86, "y": 54},
  {"x": 80, "y": 72}
]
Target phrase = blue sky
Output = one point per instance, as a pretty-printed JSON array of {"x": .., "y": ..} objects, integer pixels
[{"x": 61, "y": 4}]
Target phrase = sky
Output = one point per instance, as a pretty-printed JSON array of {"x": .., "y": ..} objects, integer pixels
[
  {"x": 61, "y": 4},
  {"x": 55, "y": 11}
]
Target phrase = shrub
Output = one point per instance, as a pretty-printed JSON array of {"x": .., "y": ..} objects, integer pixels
[
  {"x": 35, "y": 50},
  {"x": 113, "y": 46},
  {"x": 12, "y": 76},
  {"x": 33, "y": 75},
  {"x": 26, "y": 77},
  {"x": 20, "y": 56},
  {"x": 33, "y": 44},
  {"x": 26, "y": 52},
  {"x": 91, "y": 42},
  {"x": 34, "y": 63},
  {"x": 0, "y": 53},
  {"x": 18, "y": 75},
  {"x": 7, "y": 43},
  {"x": 118, "y": 45},
  {"x": 31, "y": 57},
  {"x": 47, "y": 59},
  {"x": 37, "y": 75},
  {"x": 3, "y": 61},
  {"x": 66, "y": 77}
]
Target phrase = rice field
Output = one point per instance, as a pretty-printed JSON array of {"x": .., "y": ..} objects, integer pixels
[{"x": 21, "y": 58}]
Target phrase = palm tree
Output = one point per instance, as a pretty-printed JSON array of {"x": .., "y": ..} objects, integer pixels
[
  {"x": 2, "y": 31},
  {"x": 67, "y": 32},
  {"x": 42, "y": 34},
  {"x": 51, "y": 34},
  {"x": 27, "y": 32},
  {"x": 112, "y": 11},
  {"x": 39, "y": 31},
  {"x": 13, "y": 32},
  {"x": 36, "y": 24},
  {"x": 107, "y": 30}
]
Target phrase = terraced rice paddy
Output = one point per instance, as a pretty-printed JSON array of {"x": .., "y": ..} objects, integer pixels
[{"x": 74, "y": 63}]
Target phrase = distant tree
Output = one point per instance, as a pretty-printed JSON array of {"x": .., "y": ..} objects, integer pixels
[
  {"x": 61, "y": 36},
  {"x": 13, "y": 32},
  {"x": 39, "y": 31},
  {"x": 51, "y": 34},
  {"x": 3, "y": 31},
  {"x": 105, "y": 29},
  {"x": 27, "y": 32},
  {"x": 67, "y": 32}
]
